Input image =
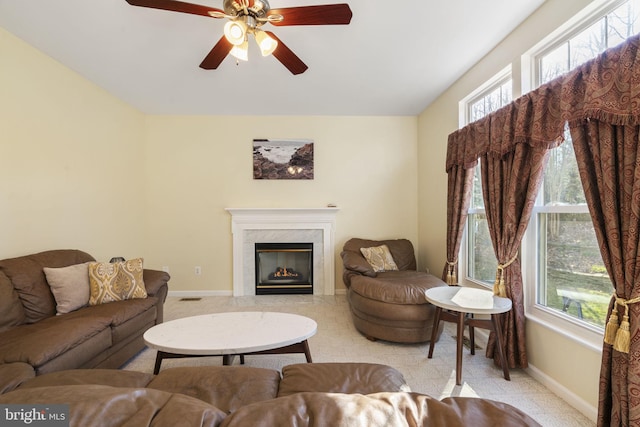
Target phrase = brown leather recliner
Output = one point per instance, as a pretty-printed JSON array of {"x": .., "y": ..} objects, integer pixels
[{"x": 389, "y": 305}]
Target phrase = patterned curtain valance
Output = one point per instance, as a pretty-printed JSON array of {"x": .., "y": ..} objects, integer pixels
[{"x": 606, "y": 88}]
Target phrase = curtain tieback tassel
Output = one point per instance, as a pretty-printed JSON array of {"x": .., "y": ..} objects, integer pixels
[
  {"x": 499, "y": 287},
  {"x": 612, "y": 327},
  {"x": 452, "y": 279},
  {"x": 619, "y": 336}
]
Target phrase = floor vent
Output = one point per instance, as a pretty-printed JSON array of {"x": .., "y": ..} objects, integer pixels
[{"x": 190, "y": 299}]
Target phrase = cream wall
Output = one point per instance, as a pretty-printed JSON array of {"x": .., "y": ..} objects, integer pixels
[
  {"x": 71, "y": 160},
  {"x": 80, "y": 169},
  {"x": 568, "y": 367},
  {"x": 197, "y": 166}
]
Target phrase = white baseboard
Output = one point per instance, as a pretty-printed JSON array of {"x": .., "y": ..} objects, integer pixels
[
  {"x": 195, "y": 294},
  {"x": 565, "y": 394}
]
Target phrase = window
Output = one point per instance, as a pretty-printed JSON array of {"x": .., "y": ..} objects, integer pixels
[
  {"x": 571, "y": 280},
  {"x": 480, "y": 258},
  {"x": 592, "y": 38},
  {"x": 497, "y": 95},
  {"x": 566, "y": 284}
]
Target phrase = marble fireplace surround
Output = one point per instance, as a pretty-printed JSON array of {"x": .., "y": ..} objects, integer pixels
[{"x": 283, "y": 225}]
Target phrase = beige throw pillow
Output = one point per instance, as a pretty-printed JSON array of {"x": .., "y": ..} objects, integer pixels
[
  {"x": 116, "y": 281},
  {"x": 69, "y": 286},
  {"x": 379, "y": 258}
]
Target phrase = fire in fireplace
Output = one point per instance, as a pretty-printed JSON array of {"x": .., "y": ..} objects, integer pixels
[{"x": 284, "y": 268}]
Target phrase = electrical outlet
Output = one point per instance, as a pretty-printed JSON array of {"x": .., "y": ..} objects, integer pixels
[
  {"x": 198, "y": 270},
  {"x": 165, "y": 268}
]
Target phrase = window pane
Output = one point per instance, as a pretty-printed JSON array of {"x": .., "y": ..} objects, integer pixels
[
  {"x": 607, "y": 32},
  {"x": 482, "y": 260},
  {"x": 506, "y": 94},
  {"x": 477, "y": 202},
  {"x": 588, "y": 44},
  {"x": 622, "y": 23},
  {"x": 573, "y": 279},
  {"x": 554, "y": 63},
  {"x": 494, "y": 100},
  {"x": 477, "y": 110},
  {"x": 562, "y": 185}
]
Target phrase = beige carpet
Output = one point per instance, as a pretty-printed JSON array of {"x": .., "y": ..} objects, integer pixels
[{"x": 338, "y": 341}]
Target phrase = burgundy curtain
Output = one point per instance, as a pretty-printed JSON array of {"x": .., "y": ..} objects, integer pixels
[
  {"x": 512, "y": 149},
  {"x": 509, "y": 185},
  {"x": 609, "y": 161},
  {"x": 458, "y": 200},
  {"x": 606, "y": 142},
  {"x": 601, "y": 102}
]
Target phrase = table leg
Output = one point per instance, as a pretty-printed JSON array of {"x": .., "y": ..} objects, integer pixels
[
  {"x": 472, "y": 338},
  {"x": 459, "y": 342},
  {"x": 497, "y": 326},
  {"x": 307, "y": 351},
  {"x": 227, "y": 359},
  {"x": 434, "y": 330},
  {"x": 159, "y": 357}
]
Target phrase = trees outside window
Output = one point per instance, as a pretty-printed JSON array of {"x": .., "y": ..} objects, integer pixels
[{"x": 571, "y": 278}]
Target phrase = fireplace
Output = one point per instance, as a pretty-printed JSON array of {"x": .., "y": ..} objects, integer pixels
[
  {"x": 279, "y": 225},
  {"x": 284, "y": 268}
]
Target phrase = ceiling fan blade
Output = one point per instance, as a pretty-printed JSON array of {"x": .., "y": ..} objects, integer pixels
[
  {"x": 328, "y": 14},
  {"x": 287, "y": 57},
  {"x": 217, "y": 54},
  {"x": 175, "y": 6}
]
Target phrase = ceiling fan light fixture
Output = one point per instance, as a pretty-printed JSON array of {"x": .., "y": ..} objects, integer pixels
[
  {"x": 235, "y": 32},
  {"x": 246, "y": 17},
  {"x": 241, "y": 51},
  {"x": 266, "y": 43}
]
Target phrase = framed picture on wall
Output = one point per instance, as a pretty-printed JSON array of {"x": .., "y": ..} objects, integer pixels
[{"x": 282, "y": 159}]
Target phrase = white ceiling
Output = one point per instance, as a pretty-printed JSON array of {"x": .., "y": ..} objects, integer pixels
[{"x": 394, "y": 58}]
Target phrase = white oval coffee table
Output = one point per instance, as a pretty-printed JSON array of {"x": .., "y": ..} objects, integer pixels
[{"x": 230, "y": 334}]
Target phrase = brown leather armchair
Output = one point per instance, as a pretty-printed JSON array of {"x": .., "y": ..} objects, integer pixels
[{"x": 389, "y": 305}]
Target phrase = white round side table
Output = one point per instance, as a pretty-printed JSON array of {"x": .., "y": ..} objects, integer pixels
[{"x": 470, "y": 302}]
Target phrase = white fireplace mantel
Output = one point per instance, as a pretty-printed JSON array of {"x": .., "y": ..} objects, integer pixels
[{"x": 284, "y": 220}]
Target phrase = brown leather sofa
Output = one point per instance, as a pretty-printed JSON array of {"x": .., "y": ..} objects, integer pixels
[
  {"x": 99, "y": 336},
  {"x": 389, "y": 305},
  {"x": 313, "y": 394}
]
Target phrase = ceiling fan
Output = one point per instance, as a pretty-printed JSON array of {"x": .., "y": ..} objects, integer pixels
[{"x": 247, "y": 17}]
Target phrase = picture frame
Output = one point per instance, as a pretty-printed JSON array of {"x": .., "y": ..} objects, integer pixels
[{"x": 283, "y": 159}]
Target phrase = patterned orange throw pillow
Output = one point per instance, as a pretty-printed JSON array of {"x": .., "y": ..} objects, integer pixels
[{"x": 116, "y": 281}]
